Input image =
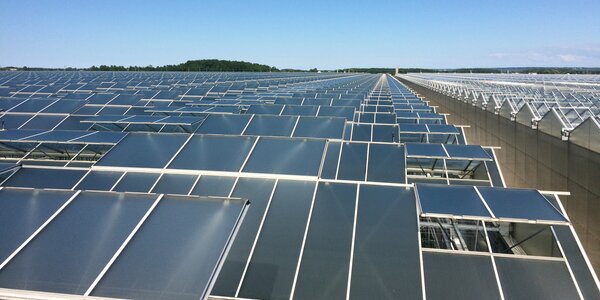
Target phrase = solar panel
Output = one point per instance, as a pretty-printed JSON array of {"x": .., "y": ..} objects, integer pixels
[
  {"x": 466, "y": 152},
  {"x": 213, "y": 153},
  {"x": 155, "y": 255},
  {"x": 442, "y": 128},
  {"x": 447, "y": 151},
  {"x": 386, "y": 235},
  {"x": 176, "y": 184},
  {"x": 23, "y": 212},
  {"x": 138, "y": 181},
  {"x": 286, "y": 156},
  {"x": 327, "y": 243},
  {"x": 450, "y": 200},
  {"x": 425, "y": 150},
  {"x": 519, "y": 280},
  {"x": 319, "y": 127},
  {"x": 520, "y": 204},
  {"x": 336, "y": 111},
  {"x": 476, "y": 280},
  {"x": 269, "y": 125},
  {"x": 224, "y": 124},
  {"x": 353, "y": 161},
  {"x": 213, "y": 186},
  {"x": 14, "y": 135},
  {"x": 265, "y": 109},
  {"x": 413, "y": 128},
  {"x": 45, "y": 178},
  {"x": 159, "y": 149},
  {"x": 75, "y": 239},
  {"x": 258, "y": 191},
  {"x": 271, "y": 272},
  {"x": 300, "y": 110},
  {"x": 99, "y": 181}
]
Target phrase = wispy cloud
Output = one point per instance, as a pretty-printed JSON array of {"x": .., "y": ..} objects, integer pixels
[
  {"x": 569, "y": 58},
  {"x": 562, "y": 56},
  {"x": 499, "y": 55}
]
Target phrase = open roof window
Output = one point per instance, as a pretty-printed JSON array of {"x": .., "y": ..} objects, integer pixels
[
  {"x": 453, "y": 162},
  {"x": 511, "y": 221},
  {"x": 444, "y": 233}
]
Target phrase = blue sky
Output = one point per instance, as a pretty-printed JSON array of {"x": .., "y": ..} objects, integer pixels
[{"x": 302, "y": 34}]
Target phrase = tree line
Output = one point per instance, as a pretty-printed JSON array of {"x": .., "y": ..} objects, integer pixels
[
  {"x": 202, "y": 65},
  {"x": 216, "y": 65},
  {"x": 538, "y": 70}
]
